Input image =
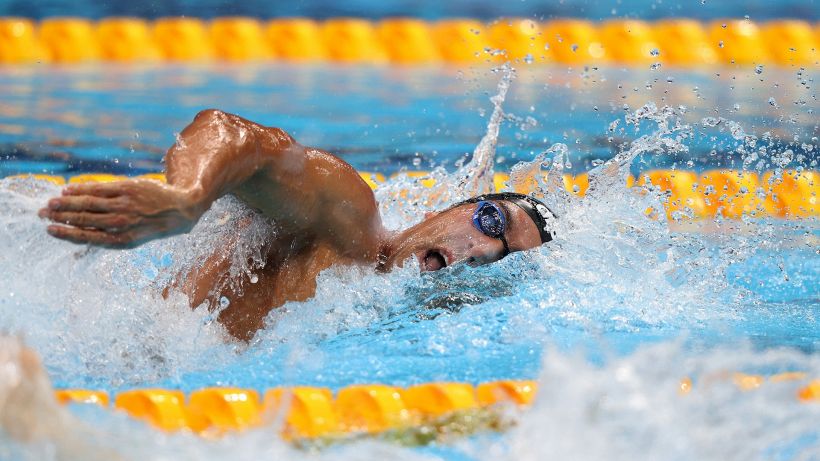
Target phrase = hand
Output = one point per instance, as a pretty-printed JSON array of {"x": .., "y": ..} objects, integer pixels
[{"x": 121, "y": 214}]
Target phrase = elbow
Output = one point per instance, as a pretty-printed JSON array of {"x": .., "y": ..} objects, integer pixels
[{"x": 210, "y": 115}]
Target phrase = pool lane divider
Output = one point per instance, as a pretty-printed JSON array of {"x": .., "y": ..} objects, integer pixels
[
  {"x": 313, "y": 412},
  {"x": 729, "y": 194},
  {"x": 409, "y": 41}
]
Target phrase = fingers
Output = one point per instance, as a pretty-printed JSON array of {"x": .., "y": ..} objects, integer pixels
[
  {"x": 97, "y": 237},
  {"x": 98, "y": 189},
  {"x": 85, "y": 203},
  {"x": 104, "y": 221}
]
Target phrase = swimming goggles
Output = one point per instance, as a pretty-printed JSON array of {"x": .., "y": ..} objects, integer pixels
[
  {"x": 489, "y": 219},
  {"x": 538, "y": 212}
]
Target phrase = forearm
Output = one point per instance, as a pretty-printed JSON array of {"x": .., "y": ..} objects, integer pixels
[{"x": 218, "y": 153}]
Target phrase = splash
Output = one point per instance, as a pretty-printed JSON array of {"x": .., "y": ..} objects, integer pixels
[
  {"x": 415, "y": 196},
  {"x": 632, "y": 409},
  {"x": 98, "y": 316}
]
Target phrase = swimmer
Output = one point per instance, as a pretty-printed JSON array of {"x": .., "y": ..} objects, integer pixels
[{"x": 325, "y": 215}]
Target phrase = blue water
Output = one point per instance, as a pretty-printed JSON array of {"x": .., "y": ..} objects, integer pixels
[
  {"x": 592, "y": 9},
  {"x": 121, "y": 119},
  {"x": 608, "y": 318}
]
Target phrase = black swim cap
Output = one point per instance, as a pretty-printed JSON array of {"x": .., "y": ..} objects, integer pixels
[{"x": 535, "y": 209}]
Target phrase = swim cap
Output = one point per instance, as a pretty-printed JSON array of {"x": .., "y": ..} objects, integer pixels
[{"x": 540, "y": 214}]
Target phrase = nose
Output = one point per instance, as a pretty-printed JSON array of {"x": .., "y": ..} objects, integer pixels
[{"x": 485, "y": 253}]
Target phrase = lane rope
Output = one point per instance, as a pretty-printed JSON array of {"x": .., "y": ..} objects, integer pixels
[
  {"x": 314, "y": 412},
  {"x": 409, "y": 41},
  {"x": 730, "y": 194}
]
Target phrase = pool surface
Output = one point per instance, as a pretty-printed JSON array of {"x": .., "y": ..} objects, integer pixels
[{"x": 608, "y": 318}]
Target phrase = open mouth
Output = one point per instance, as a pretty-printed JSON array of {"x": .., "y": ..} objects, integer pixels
[{"x": 434, "y": 260}]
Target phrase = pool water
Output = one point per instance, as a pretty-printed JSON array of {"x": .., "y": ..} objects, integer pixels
[{"x": 608, "y": 318}]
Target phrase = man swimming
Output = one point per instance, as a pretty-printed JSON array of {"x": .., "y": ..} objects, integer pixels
[{"x": 324, "y": 212}]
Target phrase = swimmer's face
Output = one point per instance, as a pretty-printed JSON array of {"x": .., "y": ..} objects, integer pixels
[{"x": 449, "y": 237}]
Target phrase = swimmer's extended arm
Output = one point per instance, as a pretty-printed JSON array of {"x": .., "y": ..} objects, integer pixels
[{"x": 309, "y": 193}]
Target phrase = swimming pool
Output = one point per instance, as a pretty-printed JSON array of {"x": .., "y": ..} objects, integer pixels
[{"x": 608, "y": 319}]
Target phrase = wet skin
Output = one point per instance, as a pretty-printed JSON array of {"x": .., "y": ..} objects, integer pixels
[{"x": 325, "y": 215}]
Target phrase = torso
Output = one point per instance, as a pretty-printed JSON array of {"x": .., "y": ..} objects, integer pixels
[{"x": 288, "y": 275}]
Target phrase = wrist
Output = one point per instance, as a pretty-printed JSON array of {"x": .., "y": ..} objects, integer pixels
[{"x": 193, "y": 202}]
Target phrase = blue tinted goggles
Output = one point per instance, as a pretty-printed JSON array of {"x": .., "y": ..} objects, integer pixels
[{"x": 490, "y": 220}]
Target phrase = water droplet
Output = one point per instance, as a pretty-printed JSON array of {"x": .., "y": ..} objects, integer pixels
[
  {"x": 573, "y": 47},
  {"x": 720, "y": 44},
  {"x": 528, "y": 59},
  {"x": 655, "y": 52},
  {"x": 772, "y": 102},
  {"x": 759, "y": 69},
  {"x": 254, "y": 278},
  {"x": 224, "y": 302},
  {"x": 670, "y": 79},
  {"x": 655, "y": 66}
]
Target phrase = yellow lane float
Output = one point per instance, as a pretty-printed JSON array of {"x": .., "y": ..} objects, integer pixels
[
  {"x": 437, "y": 399},
  {"x": 739, "y": 41},
  {"x": 408, "y": 41},
  {"x": 295, "y": 39},
  {"x": 629, "y": 41},
  {"x": 730, "y": 194},
  {"x": 82, "y": 396},
  {"x": 517, "y": 392},
  {"x": 126, "y": 39},
  {"x": 462, "y": 40},
  {"x": 791, "y": 43},
  {"x": 792, "y": 194},
  {"x": 238, "y": 39},
  {"x": 310, "y": 412},
  {"x": 18, "y": 41},
  {"x": 574, "y": 41},
  {"x": 223, "y": 409},
  {"x": 678, "y": 41},
  {"x": 352, "y": 40},
  {"x": 69, "y": 40},
  {"x": 684, "y": 42},
  {"x": 182, "y": 39},
  {"x": 519, "y": 39},
  {"x": 371, "y": 408},
  {"x": 164, "y": 409}
]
